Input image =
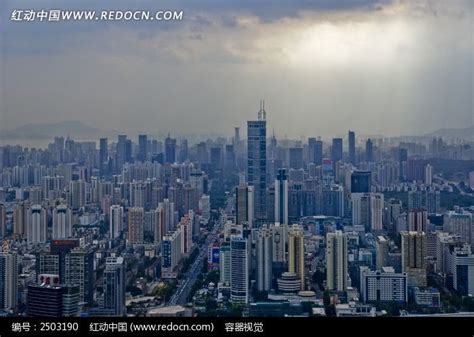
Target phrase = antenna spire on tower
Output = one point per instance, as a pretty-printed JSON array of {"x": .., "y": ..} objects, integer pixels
[{"x": 262, "y": 115}]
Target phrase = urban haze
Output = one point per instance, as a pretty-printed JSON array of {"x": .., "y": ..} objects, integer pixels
[{"x": 253, "y": 159}]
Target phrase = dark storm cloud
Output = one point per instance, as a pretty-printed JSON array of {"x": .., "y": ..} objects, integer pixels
[
  {"x": 18, "y": 37},
  {"x": 387, "y": 67}
]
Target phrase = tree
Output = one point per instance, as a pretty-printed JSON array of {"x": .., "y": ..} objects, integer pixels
[
  {"x": 329, "y": 308},
  {"x": 134, "y": 291},
  {"x": 213, "y": 277},
  {"x": 319, "y": 276},
  {"x": 164, "y": 290},
  {"x": 392, "y": 308},
  {"x": 326, "y": 299},
  {"x": 261, "y": 296}
]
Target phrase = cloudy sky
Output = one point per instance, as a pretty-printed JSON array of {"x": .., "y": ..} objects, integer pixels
[{"x": 323, "y": 66}]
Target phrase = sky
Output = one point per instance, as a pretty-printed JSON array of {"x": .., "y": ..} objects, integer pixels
[{"x": 379, "y": 67}]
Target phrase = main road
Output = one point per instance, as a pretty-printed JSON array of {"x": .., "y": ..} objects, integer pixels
[
  {"x": 454, "y": 184},
  {"x": 180, "y": 296}
]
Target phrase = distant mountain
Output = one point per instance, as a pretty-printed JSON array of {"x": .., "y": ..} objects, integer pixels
[
  {"x": 47, "y": 130},
  {"x": 465, "y": 133}
]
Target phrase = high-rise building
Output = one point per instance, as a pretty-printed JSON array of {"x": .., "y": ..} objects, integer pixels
[
  {"x": 361, "y": 182},
  {"x": 155, "y": 225},
  {"x": 216, "y": 158},
  {"x": 20, "y": 219},
  {"x": 352, "y": 153},
  {"x": 236, "y": 136},
  {"x": 296, "y": 253},
  {"x": 257, "y": 161},
  {"x": 264, "y": 252},
  {"x": 381, "y": 250},
  {"x": 224, "y": 263},
  {"x": 361, "y": 209},
  {"x": 229, "y": 158},
  {"x": 462, "y": 269},
  {"x": 142, "y": 147},
  {"x": 51, "y": 185},
  {"x": 136, "y": 225},
  {"x": 35, "y": 195},
  {"x": 402, "y": 158},
  {"x": 433, "y": 201},
  {"x": 166, "y": 217},
  {"x": 367, "y": 210},
  {"x": 418, "y": 220},
  {"x": 416, "y": 169},
  {"x": 239, "y": 270},
  {"x": 62, "y": 222},
  {"x": 48, "y": 264},
  {"x": 279, "y": 236},
  {"x": 37, "y": 224},
  {"x": 369, "y": 151},
  {"x": 114, "y": 286},
  {"x": 445, "y": 243},
  {"x": 336, "y": 261},
  {"x": 459, "y": 223},
  {"x": 383, "y": 285},
  {"x": 121, "y": 152},
  {"x": 3, "y": 221},
  {"x": 202, "y": 154},
  {"x": 413, "y": 258},
  {"x": 170, "y": 150},
  {"x": 79, "y": 270},
  {"x": 55, "y": 262},
  {"x": 333, "y": 200},
  {"x": 138, "y": 194},
  {"x": 8, "y": 281},
  {"x": 183, "y": 151},
  {"x": 103, "y": 155},
  {"x": 336, "y": 150},
  {"x": 170, "y": 253},
  {"x": 281, "y": 197},
  {"x": 244, "y": 205},
  {"x": 272, "y": 151},
  {"x": 428, "y": 175},
  {"x": 415, "y": 199},
  {"x": 311, "y": 150},
  {"x": 394, "y": 209},
  {"x": 315, "y": 151},
  {"x": 77, "y": 190},
  {"x": 46, "y": 300},
  {"x": 185, "y": 226},
  {"x": 295, "y": 155},
  {"x": 115, "y": 221},
  {"x": 376, "y": 209}
]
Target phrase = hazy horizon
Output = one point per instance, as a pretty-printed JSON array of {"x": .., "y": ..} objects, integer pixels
[{"x": 378, "y": 67}]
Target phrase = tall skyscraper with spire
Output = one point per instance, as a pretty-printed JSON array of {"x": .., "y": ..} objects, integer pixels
[{"x": 257, "y": 161}]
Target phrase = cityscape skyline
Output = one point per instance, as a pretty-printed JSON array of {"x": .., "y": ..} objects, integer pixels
[
  {"x": 28, "y": 137},
  {"x": 139, "y": 178},
  {"x": 353, "y": 227}
]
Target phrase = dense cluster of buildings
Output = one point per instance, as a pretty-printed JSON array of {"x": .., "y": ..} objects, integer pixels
[{"x": 358, "y": 221}]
